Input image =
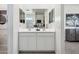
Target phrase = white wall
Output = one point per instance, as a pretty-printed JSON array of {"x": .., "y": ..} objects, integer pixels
[
  {"x": 3, "y": 7},
  {"x": 15, "y": 27},
  {"x": 59, "y": 29},
  {"x": 10, "y": 28},
  {"x": 71, "y": 8},
  {"x": 13, "y": 17},
  {"x": 62, "y": 30}
]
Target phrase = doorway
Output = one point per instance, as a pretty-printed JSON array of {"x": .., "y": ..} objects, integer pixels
[{"x": 71, "y": 17}]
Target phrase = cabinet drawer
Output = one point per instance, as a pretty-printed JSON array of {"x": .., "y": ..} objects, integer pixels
[
  {"x": 45, "y": 34},
  {"x": 26, "y": 34}
]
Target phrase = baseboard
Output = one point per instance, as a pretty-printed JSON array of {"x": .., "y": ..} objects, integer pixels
[{"x": 36, "y": 52}]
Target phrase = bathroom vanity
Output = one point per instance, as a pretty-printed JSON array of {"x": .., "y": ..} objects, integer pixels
[
  {"x": 36, "y": 40},
  {"x": 34, "y": 34}
]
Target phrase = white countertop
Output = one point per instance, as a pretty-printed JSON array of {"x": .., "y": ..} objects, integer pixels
[
  {"x": 71, "y": 27},
  {"x": 34, "y": 30}
]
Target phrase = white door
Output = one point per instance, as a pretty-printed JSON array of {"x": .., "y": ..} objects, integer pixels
[
  {"x": 27, "y": 41},
  {"x": 45, "y": 41}
]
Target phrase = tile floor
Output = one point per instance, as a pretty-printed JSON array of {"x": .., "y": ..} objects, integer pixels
[{"x": 72, "y": 47}]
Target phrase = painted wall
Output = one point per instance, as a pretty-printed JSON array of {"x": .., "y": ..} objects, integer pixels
[
  {"x": 71, "y": 8},
  {"x": 13, "y": 17},
  {"x": 10, "y": 28},
  {"x": 3, "y": 6},
  {"x": 59, "y": 29}
]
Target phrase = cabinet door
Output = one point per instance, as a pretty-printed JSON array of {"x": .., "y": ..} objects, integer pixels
[
  {"x": 27, "y": 41},
  {"x": 45, "y": 41},
  {"x": 77, "y": 34},
  {"x": 70, "y": 34},
  {"x": 67, "y": 34}
]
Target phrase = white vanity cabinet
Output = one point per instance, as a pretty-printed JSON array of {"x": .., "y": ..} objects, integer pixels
[
  {"x": 45, "y": 41},
  {"x": 36, "y": 41},
  {"x": 27, "y": 41}
]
